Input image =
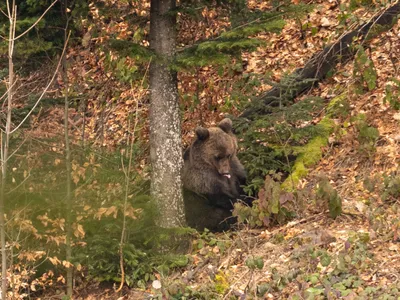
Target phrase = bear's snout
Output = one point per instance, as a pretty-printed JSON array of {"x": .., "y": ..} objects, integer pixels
[{"x": 224, "y": 168}]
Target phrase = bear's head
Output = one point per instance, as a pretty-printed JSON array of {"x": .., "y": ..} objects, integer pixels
[{"x": 217, "y": 146}]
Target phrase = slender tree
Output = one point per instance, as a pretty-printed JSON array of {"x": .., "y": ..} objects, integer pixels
[
  {"x": 5, "y": 142},
  {"x": 6, "y": 133},
  {"x": 69, "y": 193},
  {"x": 165, "y": 128},
  {"x": 68, "y": 199}
]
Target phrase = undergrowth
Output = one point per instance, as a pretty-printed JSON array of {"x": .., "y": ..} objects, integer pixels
[
  {"x": 271, "y": 143},
  {"x": 98, "y": 210},
  {"x": 277, "y": 151}
]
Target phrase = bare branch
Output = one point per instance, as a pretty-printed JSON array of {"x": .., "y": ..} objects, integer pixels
[
  {"x": 8, "y": 9},
  {"x": 2, "y": 11},
  {"x": 21, "y": 183},
  {"x": 37, "y": 21},
  {"x": 9, "y": 89},
  {"x": 47, "y": 87},
  {"x": 16, "y": 150}
]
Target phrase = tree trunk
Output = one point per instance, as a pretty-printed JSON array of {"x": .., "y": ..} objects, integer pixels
[
  {"x": 165, "y": 128},
  {"x": 68, "y": 164},
  {"x": 68, "y": 197}
]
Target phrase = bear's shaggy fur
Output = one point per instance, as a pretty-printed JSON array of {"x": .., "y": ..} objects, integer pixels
[{"x": 212, "y": 176}]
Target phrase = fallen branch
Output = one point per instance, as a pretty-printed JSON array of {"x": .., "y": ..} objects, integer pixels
[{"x": 321, "y": 63}]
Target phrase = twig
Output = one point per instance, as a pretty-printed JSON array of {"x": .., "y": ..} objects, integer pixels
[
  {"x": 8, "y": 90},
  {"x": 302, "y": 221},
  {"x": 37, "y": 21},
  {"x": 191, "y": 274},
  {"x": 236, "y": 281},
  {"x": 23, "y": 181},
  {"x": 45, "y": 90}
]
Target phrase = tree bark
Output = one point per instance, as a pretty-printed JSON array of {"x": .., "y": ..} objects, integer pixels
[
  {"x": 165, "y": 129},
  {"x": 320, "y": 64}
]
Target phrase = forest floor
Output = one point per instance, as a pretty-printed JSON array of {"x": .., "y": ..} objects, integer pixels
[{"x": 356, "y": 255}]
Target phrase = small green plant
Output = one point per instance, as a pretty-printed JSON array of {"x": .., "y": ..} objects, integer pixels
[
  {"x": 207, "y": 238},
  {"x": 326, "y": 194},
  {"x": 364, "y": 71},
  {"x": 339, "y": 107},
  {"x": 180, "y": 290},
  {"x": 359, "y": 3},
  {"x": 343, "y": 278},
  {"x": 255, "y": 262},
  {"x": 221, "y": 283},
  {"x": 367, "y": 135},
  {"x": 372, "y": 183},
  {"x": 392, "y": 93},
  {"x": 387, "y": 188},
  {"x": 268, "y": 208},
  {"x": 391, "y": 187},
  {"x": 278, "y": 282},
  {"x": 386, "y": 185}
]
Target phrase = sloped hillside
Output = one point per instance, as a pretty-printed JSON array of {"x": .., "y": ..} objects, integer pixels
[
  {"x": 325, "y": 223},
  {"x": 356, "y": 255}
]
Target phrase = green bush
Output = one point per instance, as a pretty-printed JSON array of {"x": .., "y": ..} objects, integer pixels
[
  {"x": 270, "y": 144},
  {"x": 271, "y": 207},
  {"x": 367, "y": 135}
]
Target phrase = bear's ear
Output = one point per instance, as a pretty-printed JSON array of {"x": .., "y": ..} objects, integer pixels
[
  {"x": 226, "y": 125},
  {"x": 202, "y": 133}
]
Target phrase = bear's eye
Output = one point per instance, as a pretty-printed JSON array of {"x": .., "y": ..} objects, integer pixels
[{"x": 219, "y": 157}]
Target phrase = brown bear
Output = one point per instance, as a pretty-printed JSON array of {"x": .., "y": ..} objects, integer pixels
[{"x": 212, "y": 177}]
